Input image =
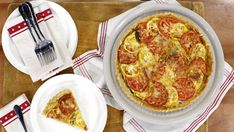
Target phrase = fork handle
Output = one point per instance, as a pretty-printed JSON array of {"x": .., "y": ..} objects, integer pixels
[
  {"x": 19, "y": 114},
  {"x": 26, "y": 10},
  {"x": 27, "y": 22},
  {"x": 34, "y": 18}
]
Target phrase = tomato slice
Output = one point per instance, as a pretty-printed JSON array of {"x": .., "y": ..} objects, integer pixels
[
  {"x": 66, "y": 104},
  {"x": 156, "y": 48},
  {"x": 145, "y": 37},
  {"x": 159, "y": 95},
  {"x": 142, "y": 25},
  {"x": 189, "y": 39},
  {"x": 125, "y": 57},
  {"x": 184, "y": 88},
  {"x": 200, "y": 64},
  {"x": 165, "y": 23},
  {"x": 138, "y": 83},
  {"x": 143, "y": 95},
  {"x": 142, "y": 33}
]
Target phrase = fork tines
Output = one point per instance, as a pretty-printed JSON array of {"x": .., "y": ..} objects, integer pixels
[{"x": 45, "y": 52}]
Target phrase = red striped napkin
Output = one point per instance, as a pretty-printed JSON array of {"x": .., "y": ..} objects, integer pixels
[
  {"x": 22, "y": 40},
  {"x": 9, "y": 119},
  {"x": 90, "y": 65}
]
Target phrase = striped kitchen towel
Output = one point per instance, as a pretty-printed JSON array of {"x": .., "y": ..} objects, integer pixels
[{"x": 9, "y": 119}]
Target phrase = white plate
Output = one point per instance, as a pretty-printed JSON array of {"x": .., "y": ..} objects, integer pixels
[
  {"x": 66, "y": 21},
  {"x": 149, "y": 115},
  {"x": 89, "y": 98}
]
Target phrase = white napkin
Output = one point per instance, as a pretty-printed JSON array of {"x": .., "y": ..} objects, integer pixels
[
  {"x": 9, "y": 119},
  {"x": 52, "y": 30},
  {"x": 90, "y": 65}
]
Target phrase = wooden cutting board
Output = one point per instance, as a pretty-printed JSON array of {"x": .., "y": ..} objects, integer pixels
[{"x": 87, "y": 16}]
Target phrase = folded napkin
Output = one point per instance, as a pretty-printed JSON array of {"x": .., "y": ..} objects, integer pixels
[
  {"x": 90, "y": 65},
  {"x": 9, "y": 119},
  {"x": 52, "y": 30}
]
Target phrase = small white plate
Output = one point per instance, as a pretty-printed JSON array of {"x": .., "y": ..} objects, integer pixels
[
  {"x": 66, "y": 21},
  {"x": 89, "y": 98}
]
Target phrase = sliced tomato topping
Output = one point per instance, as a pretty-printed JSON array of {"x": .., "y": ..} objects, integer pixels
[
  {"x": 156, "y": 48},
  {"x": 67, "y": 104},
  {"x": 125, "y": 57},
  {"x": 200, "y": 64},
  {"x": 189, "y": 39},
  {"x": 142, "y": 25},
  {"x": 146, "y": 38},
  {"x": 184, "y": 88},
  {"x": 138, "y": 83},
  {"x": 143, "y": 34},
  {"x": 159, "y": 95},
  {"x": 165, "y": 23}
]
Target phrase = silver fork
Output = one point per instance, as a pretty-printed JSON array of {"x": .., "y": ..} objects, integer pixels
[{"x": 44, "y": 48}]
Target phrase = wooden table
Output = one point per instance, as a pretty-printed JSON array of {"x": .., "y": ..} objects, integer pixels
[{"x": 87, "y": 16}]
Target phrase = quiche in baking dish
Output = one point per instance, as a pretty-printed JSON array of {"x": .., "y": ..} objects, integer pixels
[
  {"x": 63, "y": 107},
  {"x": 163, "y": 62}
]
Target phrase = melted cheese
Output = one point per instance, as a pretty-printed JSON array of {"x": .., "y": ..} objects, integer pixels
[
  {"x": 130, "y": 70},
  {"x": 152, "y": 24},
  {"x": 177, "y": 30},
  {"x": 149, "y": 70},
  {"x": 146, "y": 57},
  {"x": 198, "y": 82},
  {"x": 198, "y": 50},
  {"x": 168, "y": 77},
  {"x": 78, "y": 120},
  {"x": 131, "y": 44},
  {"x": 179, "y": 48},
  {"x": 159, "y": 39},
  {"x": 143, "y": 95},
  {"x": 172, "y": 98}
]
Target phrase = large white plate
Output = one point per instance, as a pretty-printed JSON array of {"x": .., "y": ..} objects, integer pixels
[
  {"x": 149, "y": 115},
  {"x": 66, "y": 21},
  {"x": 89, "y": 98}
]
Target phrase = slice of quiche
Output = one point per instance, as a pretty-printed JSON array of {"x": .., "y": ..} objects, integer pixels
[{"x": 63, "y": 107}]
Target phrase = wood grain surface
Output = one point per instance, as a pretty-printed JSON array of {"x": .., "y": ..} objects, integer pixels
[{"x": 87, "y": 16}]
